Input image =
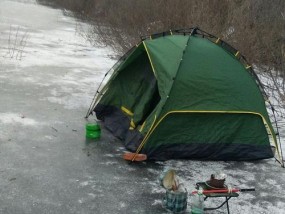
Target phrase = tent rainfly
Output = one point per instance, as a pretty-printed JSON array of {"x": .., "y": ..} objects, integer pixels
[{"x": 186, "y": 94}]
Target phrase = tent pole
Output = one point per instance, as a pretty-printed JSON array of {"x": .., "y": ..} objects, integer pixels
[{"x": 279, "y": 139}]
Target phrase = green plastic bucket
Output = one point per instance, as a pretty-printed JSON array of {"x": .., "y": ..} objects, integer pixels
[
  {"x": 93, "y": 134},
  {"x": 92, "y": 126},
  {"x": 93, "y": 131}
]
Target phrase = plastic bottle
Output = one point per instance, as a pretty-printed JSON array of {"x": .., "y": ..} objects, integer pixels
[{"x": 197, "y": 204}]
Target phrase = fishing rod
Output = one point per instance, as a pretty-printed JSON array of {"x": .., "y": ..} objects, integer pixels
[{"x": 229, "y": 190}]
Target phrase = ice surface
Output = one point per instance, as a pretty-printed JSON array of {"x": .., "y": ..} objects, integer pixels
[{"x": 46, "y": 165}]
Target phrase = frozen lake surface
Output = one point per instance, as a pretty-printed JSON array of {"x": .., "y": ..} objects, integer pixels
[{"x": 48, "y": 76}]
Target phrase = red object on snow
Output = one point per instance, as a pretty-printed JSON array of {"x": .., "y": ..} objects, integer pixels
[
  {"x": 134, "y": 156},
  {"x": 224, "y": 190}
]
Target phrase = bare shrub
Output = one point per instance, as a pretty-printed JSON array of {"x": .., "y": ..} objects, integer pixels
[
  {"x": 120, "y": 24},
  {"x": 17, "y": 41},
  {"x": 259, "y": 33},
  {"x": 255, "y": 27}
]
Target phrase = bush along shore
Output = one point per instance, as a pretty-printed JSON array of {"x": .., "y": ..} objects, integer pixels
[{"x": 255, "y": 28}]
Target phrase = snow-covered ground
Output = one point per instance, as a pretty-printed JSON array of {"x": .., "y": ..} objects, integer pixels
[{"x": 48, "y": 76}]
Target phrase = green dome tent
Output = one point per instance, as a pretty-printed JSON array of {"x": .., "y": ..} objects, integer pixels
[{"x": 186, "y": 94}]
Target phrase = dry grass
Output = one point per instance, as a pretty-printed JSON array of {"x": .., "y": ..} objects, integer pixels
[{"x": 255, "y": 27}]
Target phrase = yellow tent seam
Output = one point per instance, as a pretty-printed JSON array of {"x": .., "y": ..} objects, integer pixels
[
  {"x": 144, "y": 140},
  {"x": 127, "y": 111},
  {"x": 133, "y": 125},
  {"x": 224, "y": 112},
  {"x": 142, "y": 127}
]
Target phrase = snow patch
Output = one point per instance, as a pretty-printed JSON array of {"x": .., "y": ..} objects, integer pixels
[
  {"x": 75, "y": 101},
  {"x": 157, "y": 202},
  {"x": 49, "y": 137},
  {"x": 109, "y": 155},
  {"x": 10, "y": 118},
  {"x": 92, "y": 195},
  {"x": 109, "y": 163},
  {"x": 158, "y": 190},
  {"x": 123, "y": 204},
  {"x": 85, "y": 183}
]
